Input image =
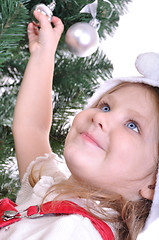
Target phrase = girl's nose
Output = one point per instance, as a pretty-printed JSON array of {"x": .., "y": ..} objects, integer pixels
[{"x": 101, "y": 119}]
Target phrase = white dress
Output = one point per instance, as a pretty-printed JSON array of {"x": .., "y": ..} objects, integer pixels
[{"x": 64, "y": 227}]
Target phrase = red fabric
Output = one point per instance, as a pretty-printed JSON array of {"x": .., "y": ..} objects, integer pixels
[
  {"x": 67, "y": 207},
  {"x": 58, "y": 208},
  {"x": 7, "y": 204}
]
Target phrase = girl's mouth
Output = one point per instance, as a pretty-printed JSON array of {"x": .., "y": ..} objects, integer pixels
[{"x": 90, "y": 139}]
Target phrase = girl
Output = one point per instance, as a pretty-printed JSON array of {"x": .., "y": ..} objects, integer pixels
[{"x": 111, "y": 152}]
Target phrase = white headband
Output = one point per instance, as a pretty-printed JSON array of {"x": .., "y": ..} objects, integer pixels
[{"x": 147, "y": 65}]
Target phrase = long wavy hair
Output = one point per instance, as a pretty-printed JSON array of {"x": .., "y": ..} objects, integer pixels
[{"x": 127, "y": 217}]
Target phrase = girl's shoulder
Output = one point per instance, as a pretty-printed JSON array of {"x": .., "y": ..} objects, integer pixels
[
  {"x": 47, "y": 165},
  {"x": 41, "y": 174}
]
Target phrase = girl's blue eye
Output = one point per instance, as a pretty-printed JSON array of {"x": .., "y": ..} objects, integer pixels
[
  {"x": 106, "y": 108},
  {"x": 133, "y": 126}
]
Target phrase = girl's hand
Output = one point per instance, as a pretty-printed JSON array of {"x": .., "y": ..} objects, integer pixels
[{"x": 46, "y": 38}]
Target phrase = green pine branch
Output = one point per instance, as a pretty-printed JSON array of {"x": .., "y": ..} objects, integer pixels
[{"x": 13, "y": 21}]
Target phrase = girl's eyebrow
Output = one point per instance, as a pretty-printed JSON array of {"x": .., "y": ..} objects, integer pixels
[
  {"x": 138, "y": 116},
  {"x": 108, "y": 97},
  {"x": 133, "y": 113}
]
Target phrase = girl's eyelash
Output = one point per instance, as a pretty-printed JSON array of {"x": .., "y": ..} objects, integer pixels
[
  {"x": 102, "y": 103},
  {"x": 136, "y": 123}
]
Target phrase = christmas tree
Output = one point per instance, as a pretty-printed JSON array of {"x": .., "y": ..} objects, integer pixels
[{"x": 75, "y": 79}]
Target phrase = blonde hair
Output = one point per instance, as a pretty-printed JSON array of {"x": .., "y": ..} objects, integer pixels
[{"x": 128, "y": 217}]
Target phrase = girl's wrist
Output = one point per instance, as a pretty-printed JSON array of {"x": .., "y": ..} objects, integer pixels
[{"x": 43, "y": 55}]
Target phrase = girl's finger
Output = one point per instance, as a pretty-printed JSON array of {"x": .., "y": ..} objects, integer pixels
[
  {"x": 42, "y": 19},
  {"x": 32, "y": 30},
  {"x": 58, "y": 25}
]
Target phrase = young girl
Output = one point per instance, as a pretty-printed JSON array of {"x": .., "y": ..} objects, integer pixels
[{"x": 111, "y": 152}]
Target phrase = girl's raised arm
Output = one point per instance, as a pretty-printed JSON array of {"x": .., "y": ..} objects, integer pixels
[{"x": 33, "y": 111}]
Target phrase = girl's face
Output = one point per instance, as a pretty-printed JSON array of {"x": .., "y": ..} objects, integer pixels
[{"x": 114, "y": 146}]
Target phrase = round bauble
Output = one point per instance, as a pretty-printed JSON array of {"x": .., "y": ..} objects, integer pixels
[
  {"x": 44, "y": 10},
  {"x": 82, "y": 39}
]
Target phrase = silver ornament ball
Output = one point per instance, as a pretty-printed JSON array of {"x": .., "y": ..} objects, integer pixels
[
  {"x": 44, "y": 10},
  {"x": 82, "y": 39}
]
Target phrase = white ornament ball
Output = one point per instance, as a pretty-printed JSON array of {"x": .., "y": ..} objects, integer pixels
[{"x": 82, "y": 39}]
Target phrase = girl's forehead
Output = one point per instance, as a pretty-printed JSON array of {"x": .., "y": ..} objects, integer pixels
[
  {"x": 134, "y": 95},
  {"x": 136, "y": 92},
  {"x": 135, "y": 88}
]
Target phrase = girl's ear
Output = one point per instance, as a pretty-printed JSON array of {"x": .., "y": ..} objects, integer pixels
[{"x": 148, "y": 192}]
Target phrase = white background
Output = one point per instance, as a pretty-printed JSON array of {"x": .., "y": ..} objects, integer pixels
[{"x": 138, "y": 32}]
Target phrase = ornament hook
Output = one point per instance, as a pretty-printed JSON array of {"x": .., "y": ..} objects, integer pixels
[{"x": 92, "y": 9}]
